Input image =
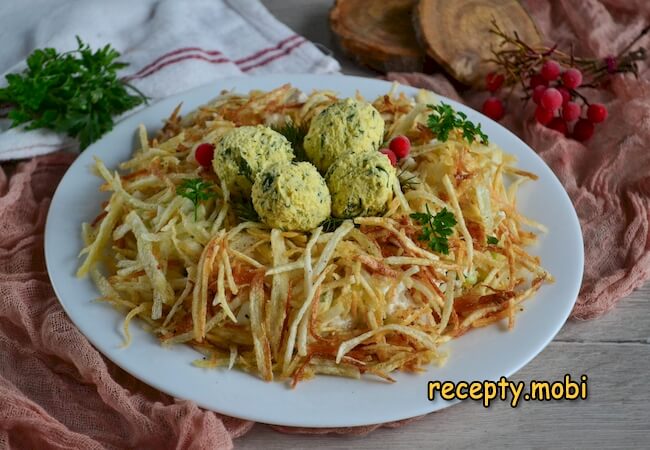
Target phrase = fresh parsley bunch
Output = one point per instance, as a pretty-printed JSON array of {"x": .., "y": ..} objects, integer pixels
[
  {"x": 436, "y": 229},
  {"x": 76, "y": 93},
  {"x": 443, "y": 119}
]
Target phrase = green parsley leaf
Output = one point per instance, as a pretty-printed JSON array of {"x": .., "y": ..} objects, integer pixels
[
  {"x": 436, "y": 229},
  {"x": 444, "y": 119},
  {"x": 492, "y": 240},
  {"x": 76, "y": 93},
  {"x": 197, "y": 190}
]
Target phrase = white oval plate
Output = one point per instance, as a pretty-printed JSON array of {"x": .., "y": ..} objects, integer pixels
[{"x": 487, "y": 353}]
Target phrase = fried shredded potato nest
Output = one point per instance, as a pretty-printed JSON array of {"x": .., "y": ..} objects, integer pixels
[{"x": 366, "y": 298}]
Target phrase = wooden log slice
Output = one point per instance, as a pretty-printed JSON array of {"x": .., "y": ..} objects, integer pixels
[
  {"x": 456, "y": 33},
  {"x": 378, "y": 34}
]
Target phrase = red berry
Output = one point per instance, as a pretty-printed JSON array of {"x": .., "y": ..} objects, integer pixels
[
  {"x": 537, "y": 80},
  {"x": 493, "y": 81},
  {"x": 401, "y": 146},
  {"x": 558, "y": 125},
  {"x": 550, "y": 70},
  {"x": 572, "y": 78},
  {"x": 537, "y": 93},
  {"x": 566, "y": 95},
  {"x": 493, "y": 108},
  {"x": 543, "y": 115},
  {"x": 391, "y": 155},
  {"x": 596, "y": 113},
  {"x": 571, "y": 111},
  {"x": 204, "y": 154},
  {"x": 583, "y": 130},
  {"x": 551, "y": 99}
]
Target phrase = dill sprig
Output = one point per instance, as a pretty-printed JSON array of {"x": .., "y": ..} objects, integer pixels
[
  {"x": 436, "y": 229},
  {"x": 295, "y": 134},
  {"x": 407, "y": 181},
  {"x": 246, "y": 211},
  {"x": 331, "y": 224},
  {"x": 443, "y": 119},
  {"x": 196, "y": 190}
]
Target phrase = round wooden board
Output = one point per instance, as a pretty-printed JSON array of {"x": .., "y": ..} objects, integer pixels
[
  {"x": 456, "y": 33},
  {"x": 378, "y": 34}
]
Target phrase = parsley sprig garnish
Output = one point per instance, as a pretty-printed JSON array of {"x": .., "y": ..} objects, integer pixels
[
  {"x": 443, "y": 119},
  {"x": 436, "y": 229},
  {"x": 76, "y": 93},
  {"x": 492, "y": 240},
  {"x": 197, "y": 190}
]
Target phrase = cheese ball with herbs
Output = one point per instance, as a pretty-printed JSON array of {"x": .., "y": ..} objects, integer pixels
[
  {"x": 347, "y": 126},
  {"x": 361, "y": 185},
  {"x": 244, "y": 152},
  {"x": 291, "y": 196}
]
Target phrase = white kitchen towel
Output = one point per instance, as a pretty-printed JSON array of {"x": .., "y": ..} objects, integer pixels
[{"x": 170, "y": 45}]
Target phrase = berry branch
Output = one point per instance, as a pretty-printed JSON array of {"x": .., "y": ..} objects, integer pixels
[
  {"x": 552, "y": 78},
  {"x": 516, "y": 59}
]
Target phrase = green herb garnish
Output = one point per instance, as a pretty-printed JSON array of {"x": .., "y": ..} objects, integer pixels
[
  {"x": 436, "y": 229},
  {"x": 246, "y": 211},
  {"x": 406, "y": 181},
  {"x": 444, "y": 119},
  {"x": 197, "y": 190},
  {"x": 331, "y": 224},
  {"x": 295, "y": 134},
  {"x": 76, "y": 93},
  {"x": 492, "y": 240}
]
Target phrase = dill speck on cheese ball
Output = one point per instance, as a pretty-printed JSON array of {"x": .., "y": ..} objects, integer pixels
[
  {"x": 291, "y": 196},
  {"x": 244, "y": 152},
  {"x": 361, "y": 185},
  {"x": 347, "y": 126}
]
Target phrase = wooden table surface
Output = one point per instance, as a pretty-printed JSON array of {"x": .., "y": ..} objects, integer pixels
[{"x": 614, "y": 351}]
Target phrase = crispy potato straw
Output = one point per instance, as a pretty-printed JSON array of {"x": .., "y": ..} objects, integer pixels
[{"x": 369, "y": 297}]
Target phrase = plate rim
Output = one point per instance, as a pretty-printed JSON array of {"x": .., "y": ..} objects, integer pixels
[{"x": 125, "y": 126}]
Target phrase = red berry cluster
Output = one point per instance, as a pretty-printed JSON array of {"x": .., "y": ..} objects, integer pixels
[
  {"x": 398, "y": 148},
  {"x": 555, "y": 93}
]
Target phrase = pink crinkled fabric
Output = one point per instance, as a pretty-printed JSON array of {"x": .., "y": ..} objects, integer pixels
[{"x": 58, "y": 392}]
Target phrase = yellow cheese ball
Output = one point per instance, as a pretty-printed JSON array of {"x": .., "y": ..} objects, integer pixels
[
  {"x": 291, "y": 196},
  {"x": 361, "y": 184},
  {"x": 347, "y": 126},
  {"x": 244, "y": 152}
]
